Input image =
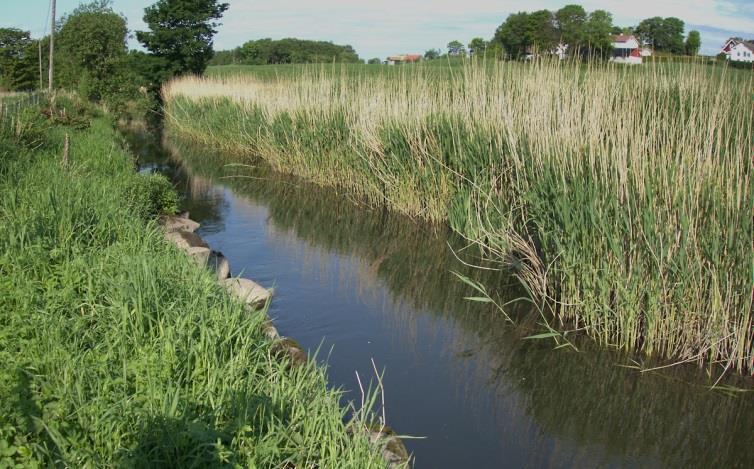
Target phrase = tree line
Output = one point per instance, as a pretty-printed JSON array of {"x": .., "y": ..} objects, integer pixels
[
  {"x": 585, "y": 33},
  {"x": 286, "y": 51},
  {"x": 92, "y": 56}
]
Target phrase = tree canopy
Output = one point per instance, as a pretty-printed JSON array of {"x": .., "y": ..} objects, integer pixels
[
  {"x": 664, "y": 34},
  {"x": 291, "y": 50},
  {"x": 181, "y": 32},
  {"x": 570, "y": 24},
  {"x": 477, "y": 46},
  {"x": 18, "y": 60},
  {"x": 693, "y": 42},
  {"x": 456, "y": 48}
]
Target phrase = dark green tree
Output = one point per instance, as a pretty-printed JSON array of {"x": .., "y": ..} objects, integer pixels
[
  {"x": 456, "y": 48},
  {"x": 598, "y": 33},
  {"x": 181, "y": 33},
  {"x": 432, "y": 54},
  {"x": 92, "y": 50},
  {"x": 374, "y": 61},
  {"x": 290, "y": 50},
  {"x": 477, "y": 46},
  {"x": 570, "y": 25},
  {"x": 651, "y": 31},
  {"x": 664, "y": 34},
  {"x": 513, "y": 34},
  {"x": 18, "y": 60},
  {"x": 674, "y": 35},
  {"x": 523, "y": 32},
  {"x": 693, "y": 42}
]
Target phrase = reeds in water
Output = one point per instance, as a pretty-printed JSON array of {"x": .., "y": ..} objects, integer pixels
[{"x": 621, "y": 196}]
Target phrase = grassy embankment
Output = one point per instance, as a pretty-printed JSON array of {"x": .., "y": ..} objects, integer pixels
[
  {"x": 116, "y": 349},
  {"x": 624, "y": 194}
]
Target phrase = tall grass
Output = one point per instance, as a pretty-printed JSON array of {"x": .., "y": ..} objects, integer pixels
[
  {"x": 621, "y": 196},
  {"x": 116, "y": 349}
]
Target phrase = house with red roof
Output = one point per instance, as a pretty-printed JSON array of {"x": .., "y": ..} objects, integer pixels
[
  {"x": 403, "y": 59},
  {"x": 738, "y": 50},
  {"x": 626, "y": 49}
]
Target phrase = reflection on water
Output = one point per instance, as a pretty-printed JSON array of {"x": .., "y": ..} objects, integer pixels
[{"x": 361, "y": 284}]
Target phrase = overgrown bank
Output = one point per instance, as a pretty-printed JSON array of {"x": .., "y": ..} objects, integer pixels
[
  {"x": 116, "y": 349},
  {"x": 609, "y": 188}
]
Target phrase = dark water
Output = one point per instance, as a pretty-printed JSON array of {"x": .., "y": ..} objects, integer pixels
[{"x": 361, "y": 285}]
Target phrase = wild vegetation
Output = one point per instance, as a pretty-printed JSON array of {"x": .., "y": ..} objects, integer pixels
[
  {"x": 116, "y": 349},
  {"x": 607, "y": 190}
]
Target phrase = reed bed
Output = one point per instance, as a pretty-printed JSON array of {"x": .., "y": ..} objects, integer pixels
[
  {"x": 117, "y": 350},
  {"x": 621, "y": 197}
]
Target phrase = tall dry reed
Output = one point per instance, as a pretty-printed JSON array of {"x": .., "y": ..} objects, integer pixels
[{"x": 621, "y": 196}]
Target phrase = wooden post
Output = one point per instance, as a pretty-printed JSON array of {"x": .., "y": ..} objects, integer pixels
[
  {"x": 52, "y": 46},
  {"x": 66, "y": 149}
]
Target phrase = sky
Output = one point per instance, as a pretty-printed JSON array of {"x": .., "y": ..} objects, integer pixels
[{"x": 377, "y": 28}]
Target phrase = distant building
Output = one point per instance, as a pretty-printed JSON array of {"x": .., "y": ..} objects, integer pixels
[
  {"x": 626, "y": 50},
  {"x": 403, "y": 59},
  {"x": 561, "y": 51},
  {"x": 738, "y": 50}
]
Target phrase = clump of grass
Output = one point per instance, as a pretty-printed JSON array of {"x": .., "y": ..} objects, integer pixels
[
  {"x": 117, "y": 350},
  {"x": 609, "y": 187}
]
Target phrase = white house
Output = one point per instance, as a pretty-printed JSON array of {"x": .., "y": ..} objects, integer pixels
[
  {"x": 738, "y": 50},
  {"x": 561, "y": 51},
  {"x": 626, "y": 49}
]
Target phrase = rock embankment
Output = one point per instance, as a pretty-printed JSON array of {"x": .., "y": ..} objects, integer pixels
[{"x": 180, "y": 231}]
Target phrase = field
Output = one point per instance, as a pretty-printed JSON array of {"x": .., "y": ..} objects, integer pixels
[
  {"x": 621, "y": 197},
  {"x": 117, "y": 350}
]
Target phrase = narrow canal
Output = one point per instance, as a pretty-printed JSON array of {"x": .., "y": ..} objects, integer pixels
[{"x": 355, "y": 285}]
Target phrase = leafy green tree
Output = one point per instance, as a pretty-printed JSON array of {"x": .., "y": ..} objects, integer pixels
[
  {"x": 181, "y": 32},
  {"x": 693, "y": 42},
  {"x": 523, "y": 32},
  {"x": 91, "y": 51},
  {"x": 477, "y": 46},
  {"x": 651, "y": 31},
  {"x": 456, "y": 48},
  {"x": 513, "y": 34},
  {"x": 432, "y": 54},
  {"x": 664, "y": 34},
  {"x": 598, "y": 32},
  {"x": 674, "y": 35},
  {"x": 290, "y": 50},
  {"x": 494, "y": 50},
  {"x": 570, "y": 25},
  {"x": 18, "y": 60},
  {"x": 374, "y": 61}
]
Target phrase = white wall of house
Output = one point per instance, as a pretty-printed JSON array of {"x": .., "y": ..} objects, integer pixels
[
  {"x": 631, "y": 44},
  {"x": 741, "y": 53},
  {"x": 627, "y": 60}
]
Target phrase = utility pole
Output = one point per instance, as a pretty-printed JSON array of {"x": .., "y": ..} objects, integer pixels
[
  {"x": 41, "y": 80},
  {"x": 52, "y": 46}
]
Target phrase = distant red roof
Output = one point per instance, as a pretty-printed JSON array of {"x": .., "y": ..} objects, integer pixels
[{"x": 623, "y": 38}]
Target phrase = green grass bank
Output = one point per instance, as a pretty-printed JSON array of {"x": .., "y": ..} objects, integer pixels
[
  {"x": 117, "y": 350},
  {"x": 620, "y": 196}
]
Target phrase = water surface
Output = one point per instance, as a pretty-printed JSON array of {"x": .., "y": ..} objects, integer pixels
[{"x": 356, "y": 285}]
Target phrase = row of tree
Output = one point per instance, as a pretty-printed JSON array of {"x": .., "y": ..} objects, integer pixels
[
  {"x": 585, "y": 33},
  {"x": 286, "y": 51},
  {"x": 92, "y": 57}
]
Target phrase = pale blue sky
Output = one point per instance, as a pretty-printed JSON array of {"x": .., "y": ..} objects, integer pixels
[{"x": 379, "y": 28}]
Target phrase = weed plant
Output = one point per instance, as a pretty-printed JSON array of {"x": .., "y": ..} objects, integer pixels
[{"x": 117, "y": 350}]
